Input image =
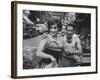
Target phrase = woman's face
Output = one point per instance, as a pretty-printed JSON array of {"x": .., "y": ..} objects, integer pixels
[
  {"x": 53, "y": 30},
  {"x": 63, "y": 32}
]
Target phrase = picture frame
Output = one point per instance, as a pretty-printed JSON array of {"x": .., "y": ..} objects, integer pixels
[{"x": 21, "y": 45}]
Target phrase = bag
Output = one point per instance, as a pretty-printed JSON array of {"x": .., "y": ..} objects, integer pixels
[
  {"x": 78, "y": 58},
  {"x": 30, "y": 60}
]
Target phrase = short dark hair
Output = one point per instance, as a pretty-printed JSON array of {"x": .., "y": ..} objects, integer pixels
[
  {"x": 54, "y": 20},
  {"x": 70, "y": 24}
]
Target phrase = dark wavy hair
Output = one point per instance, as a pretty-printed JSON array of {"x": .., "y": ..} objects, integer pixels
[{"x": 54, "y": 20}]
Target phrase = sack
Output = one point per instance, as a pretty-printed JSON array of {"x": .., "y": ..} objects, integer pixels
[
  {"x": 30, "y": 60},
  {"x": 29, "y": 53}
]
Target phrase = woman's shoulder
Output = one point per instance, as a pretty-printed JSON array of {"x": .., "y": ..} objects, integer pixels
[{"x": 44, "y": 36}]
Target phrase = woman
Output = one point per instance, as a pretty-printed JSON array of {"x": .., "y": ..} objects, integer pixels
[
  {"x": 63, "y": 31},
  {"x": 51, "y": 46}
]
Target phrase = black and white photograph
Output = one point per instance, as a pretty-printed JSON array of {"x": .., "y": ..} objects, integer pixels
[{"x": 54, "y": 39}]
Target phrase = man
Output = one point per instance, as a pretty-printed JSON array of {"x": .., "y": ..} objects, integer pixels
[{"x": 72, "y": 48}]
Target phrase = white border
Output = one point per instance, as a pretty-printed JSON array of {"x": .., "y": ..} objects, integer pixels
[{"x": 31, "y": 72}]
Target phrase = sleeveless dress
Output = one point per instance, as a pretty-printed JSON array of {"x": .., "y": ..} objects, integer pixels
[{"x": 53, "y": 47}]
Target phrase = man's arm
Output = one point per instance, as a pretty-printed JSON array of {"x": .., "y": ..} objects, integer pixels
[{"x": 78, "y": 46}]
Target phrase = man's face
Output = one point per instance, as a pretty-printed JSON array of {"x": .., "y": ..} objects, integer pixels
[{"x": 69, "y": 31}]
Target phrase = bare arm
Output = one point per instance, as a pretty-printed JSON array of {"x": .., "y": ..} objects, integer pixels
[
  {"x": 78, "y": 45},
  {"x": 40, "y": 52}
]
